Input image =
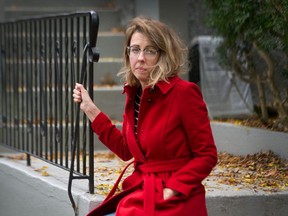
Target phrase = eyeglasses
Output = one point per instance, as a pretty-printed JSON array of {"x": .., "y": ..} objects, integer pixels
[{"x": 149, "y": 52}]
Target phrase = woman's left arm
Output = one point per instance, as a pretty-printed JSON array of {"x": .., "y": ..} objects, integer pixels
[{"x": 196, "y": 123}]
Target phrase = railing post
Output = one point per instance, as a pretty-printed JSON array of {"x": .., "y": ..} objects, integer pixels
[{"x": 93, "y": 57}]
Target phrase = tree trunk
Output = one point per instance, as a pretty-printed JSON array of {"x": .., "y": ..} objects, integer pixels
[
  {"x": 282, "y": 114},
  {"x": 262, "y": 99}
]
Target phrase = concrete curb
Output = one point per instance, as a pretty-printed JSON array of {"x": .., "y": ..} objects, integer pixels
[{"x": 241, "y": 140}]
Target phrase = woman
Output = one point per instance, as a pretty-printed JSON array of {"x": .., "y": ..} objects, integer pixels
[{"x": 166, "y": 128}]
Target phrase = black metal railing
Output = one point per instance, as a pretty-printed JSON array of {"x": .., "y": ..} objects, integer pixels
[{"x": 41, "y": 59}]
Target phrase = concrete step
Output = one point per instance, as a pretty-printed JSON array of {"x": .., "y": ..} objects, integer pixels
[
  {"x": 111, "y": 44},
  {"x": 111, "y": 101},
  {"x": 105, "y": 71},
  {"x": 14, "y": 137},
  {"x": 110, "y": 47},
  {"x": 109, "y": 14},
  {"x": 55, "y": 3}
]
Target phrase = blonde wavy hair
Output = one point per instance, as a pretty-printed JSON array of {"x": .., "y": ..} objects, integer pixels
[{"x": 173, "y": 52}]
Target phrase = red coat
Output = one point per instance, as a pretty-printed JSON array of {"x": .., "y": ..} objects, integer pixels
[{"x": 174, "y": 149}]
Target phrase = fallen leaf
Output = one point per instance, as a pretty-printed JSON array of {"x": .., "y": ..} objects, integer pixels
[
  {"x": 41, "y": 169},
  {"x": 44, "y": 173}
]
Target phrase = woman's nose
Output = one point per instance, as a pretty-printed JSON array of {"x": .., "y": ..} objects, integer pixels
[{"x": 141, "y": 56}]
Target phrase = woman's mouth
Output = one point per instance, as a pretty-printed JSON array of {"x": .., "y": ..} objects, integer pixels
[{"x": 141, "y": 69}]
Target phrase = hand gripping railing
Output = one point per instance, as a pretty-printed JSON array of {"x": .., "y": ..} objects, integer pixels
[{"x": 93, "y": 53}]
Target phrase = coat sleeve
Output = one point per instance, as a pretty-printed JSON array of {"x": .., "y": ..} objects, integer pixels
[
  {"x": 111, "y": 136},
  {"x": 196, "y": 123}
]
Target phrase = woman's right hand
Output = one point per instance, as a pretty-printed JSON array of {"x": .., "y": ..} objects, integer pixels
[{"x": 80, "y": 95}]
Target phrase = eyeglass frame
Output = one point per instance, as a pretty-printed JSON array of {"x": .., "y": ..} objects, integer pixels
[{"x": 149, "y": 55}]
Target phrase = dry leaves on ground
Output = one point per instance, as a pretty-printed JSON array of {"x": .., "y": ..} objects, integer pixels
[
  {"x": 263, "y": 171},
  {"x": 108, "y": 168},
  {"x": 43, "y": 171},
  {"x": 253, "y": 122},
  {"x": 15, "y": 156}
]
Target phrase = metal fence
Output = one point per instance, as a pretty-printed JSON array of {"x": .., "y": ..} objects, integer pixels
[{"x": 41, "y": 59}]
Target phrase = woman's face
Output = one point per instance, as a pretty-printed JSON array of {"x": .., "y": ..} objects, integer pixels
[{"x": 143, "y": 56}]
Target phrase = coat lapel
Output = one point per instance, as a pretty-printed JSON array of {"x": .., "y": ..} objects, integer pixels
[{"x": 129, "y": 111}]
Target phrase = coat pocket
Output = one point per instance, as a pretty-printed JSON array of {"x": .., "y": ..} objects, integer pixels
[{"x": 169, "y": 203}]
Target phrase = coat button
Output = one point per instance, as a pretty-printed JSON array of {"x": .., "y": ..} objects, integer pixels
[{"x": 149, "y": 100}]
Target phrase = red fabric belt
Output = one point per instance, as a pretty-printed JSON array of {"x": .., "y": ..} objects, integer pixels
[
  {"x": 162, "y": 166},
  {"x": 149, "y": 170}
]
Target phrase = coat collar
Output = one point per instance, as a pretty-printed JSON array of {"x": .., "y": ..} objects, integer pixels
[{"x": 162, "y": 85}]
